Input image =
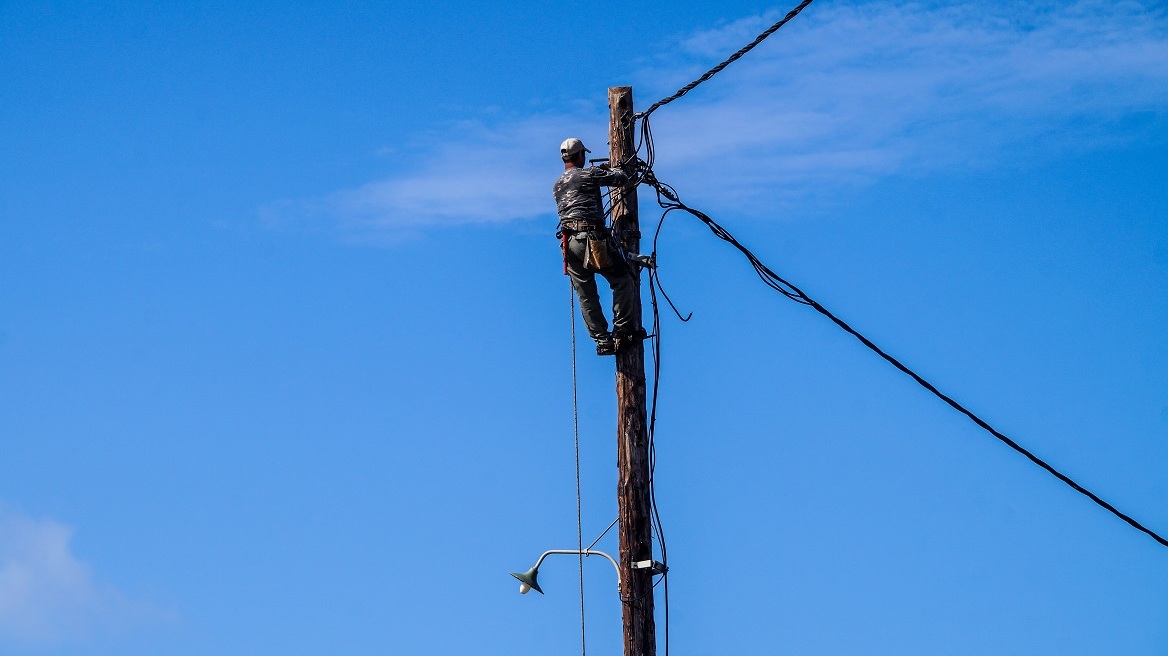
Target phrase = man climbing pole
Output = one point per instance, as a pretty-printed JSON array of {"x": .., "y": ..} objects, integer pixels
[{"x": 588, "y": 248}]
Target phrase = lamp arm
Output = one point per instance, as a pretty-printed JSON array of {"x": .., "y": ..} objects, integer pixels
[{"x": 585, "y": 552}]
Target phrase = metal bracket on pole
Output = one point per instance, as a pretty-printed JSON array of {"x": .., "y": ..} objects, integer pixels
[{"x": 653, "y": 566}]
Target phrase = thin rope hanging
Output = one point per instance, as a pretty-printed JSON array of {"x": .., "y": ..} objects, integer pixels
[{"x": 576, "y": 436}]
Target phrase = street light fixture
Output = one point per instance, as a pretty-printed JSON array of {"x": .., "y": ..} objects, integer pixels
[{"x": 528, "y": 580}]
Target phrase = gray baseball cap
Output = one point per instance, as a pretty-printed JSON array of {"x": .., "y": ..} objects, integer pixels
[{"x": 572, "y": 146}]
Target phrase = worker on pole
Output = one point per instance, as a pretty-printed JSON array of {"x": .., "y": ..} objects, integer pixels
[{"x": 589, "y": 249}]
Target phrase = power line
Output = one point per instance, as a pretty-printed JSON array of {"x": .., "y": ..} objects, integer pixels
[
  {"x": 668, "y": 199},
  {"x": 729, "y": 60}
]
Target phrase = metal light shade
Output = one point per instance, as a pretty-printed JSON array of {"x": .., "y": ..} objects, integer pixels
[{"x": 528, "y": 578}]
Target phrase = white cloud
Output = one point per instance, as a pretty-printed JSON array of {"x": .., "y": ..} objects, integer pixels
[
  {"x": 476, "y": 175},
  {"x": 844, "y": 94},
  {"x": 469, "y": 173},
  {"x": 858, "y": 92},
  {"x": 47, "y": 596}
]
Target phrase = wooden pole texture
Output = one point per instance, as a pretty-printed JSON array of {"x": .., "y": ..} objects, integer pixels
[{"x": 636, "y": 534}]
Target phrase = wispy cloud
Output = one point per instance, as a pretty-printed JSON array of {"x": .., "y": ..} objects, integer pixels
[
  {"x": 845, "y": 94},
  {"x": 858, "y": 92},
  {"x": 473, "y": 172},
  {"x": 47, "y": 596}
]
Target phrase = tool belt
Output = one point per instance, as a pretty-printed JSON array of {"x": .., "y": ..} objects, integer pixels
[
  {"x": 580, "y": 225},
  {"x": 599, "y": 250}
]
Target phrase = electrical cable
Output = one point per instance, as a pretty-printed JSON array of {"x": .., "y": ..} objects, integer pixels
[
  {"x": 656, "y": 513},
  {"x": 730, "y": 60},
  {"x": 634, "y": 165},
  {"x": 668, "y": 199}
]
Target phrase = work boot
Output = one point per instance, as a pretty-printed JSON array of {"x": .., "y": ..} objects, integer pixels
[{"x": 605, "y": 345}]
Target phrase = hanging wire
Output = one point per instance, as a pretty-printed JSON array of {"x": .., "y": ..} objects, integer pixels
[
  {"x": 656, "y": 513},
  {"x": 637, "y": 166},
  {"x": 668, "y": 199},
  {"x": 576, "y": 435}
]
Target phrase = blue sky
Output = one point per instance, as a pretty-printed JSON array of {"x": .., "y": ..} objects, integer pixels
[{"x": 285, "y": 345}]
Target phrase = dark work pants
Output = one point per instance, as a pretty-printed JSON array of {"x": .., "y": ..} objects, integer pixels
[{"x": 620, "y": 279}]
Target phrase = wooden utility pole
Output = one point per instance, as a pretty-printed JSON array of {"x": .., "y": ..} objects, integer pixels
[{"x": 632, "y": 453}]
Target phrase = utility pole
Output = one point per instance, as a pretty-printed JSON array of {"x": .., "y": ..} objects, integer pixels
[{"x": 632, "y": 453}]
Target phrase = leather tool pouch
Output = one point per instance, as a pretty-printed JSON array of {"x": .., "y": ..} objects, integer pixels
[{"x": 597, "y": 252}]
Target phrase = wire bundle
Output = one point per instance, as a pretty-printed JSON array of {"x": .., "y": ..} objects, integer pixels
[{"x": 669, "y": 201}]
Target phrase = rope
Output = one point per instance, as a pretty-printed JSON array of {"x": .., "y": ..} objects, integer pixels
[
  {"x": 576, "y": 431},
  {"x": 730, "y": 60},
  {"x": 667, "y": 198}
]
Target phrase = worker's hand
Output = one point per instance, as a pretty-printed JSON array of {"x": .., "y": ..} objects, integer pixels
[{"x": 604, "y": 167}]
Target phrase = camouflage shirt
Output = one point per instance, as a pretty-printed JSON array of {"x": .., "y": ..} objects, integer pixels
[{"x": 577, "y": 194}]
